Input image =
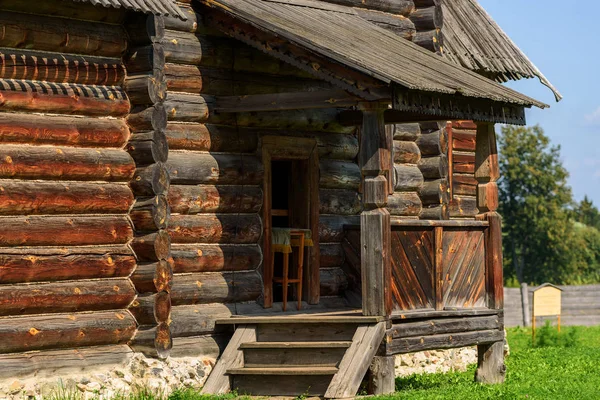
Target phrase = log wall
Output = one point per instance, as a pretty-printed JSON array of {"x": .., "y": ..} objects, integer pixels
[
  {"x": 463, "y": 203},
  {"x": 65, "y": 258}
]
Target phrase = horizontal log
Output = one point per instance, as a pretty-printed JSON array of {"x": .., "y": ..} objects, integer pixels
[
  {"x": 396, "y": 23},
  {"x": 150, "y": 214},
  {"x": 431, "y": 40},
  {"x": 193, "y": 22},
  {"x": 71, "y": 68},
  {"x": 58, "y": 130},
  {"x": 149, "y": 58},
  {"x": 185, "y": 107},
  {"x": 18, "y": 334},
  {"x": 185, "y": 199},
  {"x": 439, "y": 212},
  {"x": 144, "y": 28},
  {"x": 75, "y": 10},
  {"x": 463, "y": 163},
  {"x": 61, "y": 35},
  {"x": 153, "y": 341},
  {"x": 406, "y": 152},
  {"x": 318, "y": 120},
  {"x": 407, "y": 178},
  {"x": 153, "y": 277},
  {"x": 463, "y": 207},
  {"x": 332, "y": 255},
  {"x": 444, "y": 325},
  {"x": 463, "y": 140},
  {"x": 401, "y": 7},
  {"x": 143, "y": 118},
  {"x": 215, "y": 287},
  {"x": 435, "y": 192},
  {"x": 65, "y": 230},
  {"x": 215, "y": 228},
  {"x": 211, "y": 346},
  {"x": 208, "y": 137},
  {"x": 189, "y": 48},
  {"x": 75, "y": 99},
  {"x": 333, "y": 281},
  {"x": 215, "y": 258},
  {"x": 339, "y": 201},
  {"x": 434, "y": 143},
  {"x": 153, "y": 246},
  {"x": 427, "y": 18},
  {"x": 151, "y": 180},
  {"x": 434, "y": 167},
  {"x": 148, "y": 147},
  {"x": 27, "y": 198},
  {"x": 464, "y": 124},
  {"x": 29, "y": 162},
  {"x": 407, "y": 132},
  {"x": 406, "y": 204},
  {"x": 53, "y": 363},
  {"x": 443, "y": 341},
  {"x": 23, "y": 265},
  {"x": 193, "y": 320},
  {"x": 339, "y": 175},
  {"x": 150, "y": 309},
  {"x": 57, "y": 297},
  {"x": 464, "y": 184},
  {"x": 145, "y": 88},
  {"x": 331, "y": 227},
  {"x": 221, "y": 169}
]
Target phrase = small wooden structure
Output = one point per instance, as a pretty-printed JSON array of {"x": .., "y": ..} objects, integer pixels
[
  {"x": 546, "y": 303},
  {"x": 147, "y": 151}
]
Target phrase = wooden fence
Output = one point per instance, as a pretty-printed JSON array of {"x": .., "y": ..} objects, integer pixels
[{"x": 580, "y": 305}]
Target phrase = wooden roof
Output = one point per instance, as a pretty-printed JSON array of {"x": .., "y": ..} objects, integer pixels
[
  {"x": 158, "y": 7},
  {"x": 474, "y": 40},
  {"x": 341, "y": 35}
]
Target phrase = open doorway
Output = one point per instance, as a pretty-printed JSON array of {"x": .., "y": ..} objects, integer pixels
[{"x": 291, "y": 204}]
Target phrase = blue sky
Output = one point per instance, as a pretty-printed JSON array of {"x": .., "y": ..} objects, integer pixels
[{"x": 560, "y": 38}]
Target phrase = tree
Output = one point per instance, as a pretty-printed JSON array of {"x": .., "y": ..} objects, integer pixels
[
  {"x": 534, "y": 196},
  {"x": 586, "y": 213}
]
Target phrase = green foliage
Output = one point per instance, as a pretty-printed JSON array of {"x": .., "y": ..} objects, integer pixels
[
  {"x": 541, "y": 240},
  {"x": 548, "y": 336},
  {"x": 566, "y": 369},
  {"x": 587, "y": 213}
]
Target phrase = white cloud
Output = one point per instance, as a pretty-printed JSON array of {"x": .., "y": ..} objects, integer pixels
[{"x": 594, "y": 117}]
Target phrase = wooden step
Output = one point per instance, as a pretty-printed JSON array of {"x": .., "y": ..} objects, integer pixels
[
  {"x": 287, "y": 371},
  {"x": 295, "y": 345},
  {"x": 305, "y": 332},
  {"x": 278, "y": 385}
]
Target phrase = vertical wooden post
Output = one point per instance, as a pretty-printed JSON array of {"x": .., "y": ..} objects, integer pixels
[
  {"x": 375, "y": 221},
  {"x": 382, "y": 376},
  {"x": 525, "y": 303},
  {"x": 491, "y": 368},
  {"x": 438, "y": 266}
]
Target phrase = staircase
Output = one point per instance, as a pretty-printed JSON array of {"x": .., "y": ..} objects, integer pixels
[{"x": 293, "y": 356}]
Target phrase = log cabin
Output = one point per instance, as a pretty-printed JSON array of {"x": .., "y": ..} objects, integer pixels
[{"x": 301, "y": 188}]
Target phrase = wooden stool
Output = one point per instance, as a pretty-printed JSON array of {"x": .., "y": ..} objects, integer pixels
[{"x": 285, "y": 280}]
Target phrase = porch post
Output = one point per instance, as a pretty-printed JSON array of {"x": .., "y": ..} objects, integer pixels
[
  {"x": 491, "y": 368},
  {"x": 375, "y": 161}
]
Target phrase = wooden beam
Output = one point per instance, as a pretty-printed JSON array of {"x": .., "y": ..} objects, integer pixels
[{"x": 285, "y": 101}]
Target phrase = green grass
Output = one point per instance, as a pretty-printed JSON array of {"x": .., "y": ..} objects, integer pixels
[{"x": 565, "y": 366}]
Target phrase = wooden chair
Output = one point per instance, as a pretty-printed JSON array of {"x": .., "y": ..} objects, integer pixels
[{"x": 299, "y": 242}]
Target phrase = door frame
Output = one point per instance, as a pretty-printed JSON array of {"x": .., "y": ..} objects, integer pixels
[{"x": 291, "y": 148}]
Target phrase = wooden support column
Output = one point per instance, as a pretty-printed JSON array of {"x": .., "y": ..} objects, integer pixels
[
  {"x": 491, "y": 368},
  {"x": 375, "y": 162},
  {"x": 382, "y": 377}
]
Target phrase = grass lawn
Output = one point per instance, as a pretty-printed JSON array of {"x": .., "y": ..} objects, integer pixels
[{"x": 559, "y": 367}]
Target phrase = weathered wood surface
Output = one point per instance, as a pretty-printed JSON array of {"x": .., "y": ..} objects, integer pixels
[
  {"x": 220, "y": 169},
  {"x": 64, "y": 230},
  {"x": 187, "y": 199},
  {"x": 406, "y": 204},
  {"x": 144, "y": 118},
  {"x": 333, "y": 281},
  {"x": 50, "y": 363},
  {"x": 382, "y": 376},
  {"x": 153, "y": 277},
  {"x": 435, "y": 192},
  {"x": 215, "y": 228},
  {"x": 435, "y": 167},
  {"x": 66, "y": 163},
  {"x": 331, "y": 227},
  {"x": 443, "y": 341},
  {"x": 153, "y": 246},
  {"x": 463, "y": 207},
  {"x": 356, "y": 361},
  {"x": 406, "y": 132},
  {"x": 200, "y": 346},
  {"x": 61, "y": 35},
  {"x": 79, "y": 11},
  {"x": 406, "y": 152},
  {"x": 40, "y": 298},
  {"x": 209, "y": 137},
  {"x": 463, "y": 162},
  {"x": 339, "y": 201},
  {"x": 76, "y": 99},
  {"x": 150, "y": 214},
  {"x": 407, "y": 178},
  {"x": 339, "y": 175},
  {"x": 148, "y": 147},
  {"x": 215, "y": 257},
  {"x": 151, "y": 180},
  {"x": 61, "y": 130},
  {"x": 24, "y": 265},
  {"x": 435, "y": 212},
  {"x": 18, "y": 334},
  {"x": 490, "y": 363},
  {"x": 153, "y": 340},
  {"x": 41, "y": 66},
  {"x": 216, "y": 287},
  {"x": 149, "y": 309},
  {"x": 433, "y": 143},
  {"x": 19, "y": 197},
  {"x": 443, "y": 326}
]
